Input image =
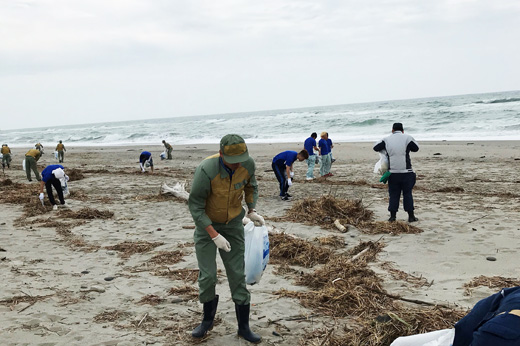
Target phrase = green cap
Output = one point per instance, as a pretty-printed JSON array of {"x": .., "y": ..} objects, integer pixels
[{"x": 233, "y": 149}]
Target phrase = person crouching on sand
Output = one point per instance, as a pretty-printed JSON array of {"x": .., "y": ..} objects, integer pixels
[
  {"x": 283, "y": 169},
  {"x": 52, "y": 176},
  {"x": 145, "y": 160},
  {"x": 215, "y": 203}
]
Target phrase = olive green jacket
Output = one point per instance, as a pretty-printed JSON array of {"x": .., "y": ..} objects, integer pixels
[{"x": 214, "y": 198}]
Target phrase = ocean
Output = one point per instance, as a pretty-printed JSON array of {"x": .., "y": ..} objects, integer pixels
[{"x": 490, "y": 116}]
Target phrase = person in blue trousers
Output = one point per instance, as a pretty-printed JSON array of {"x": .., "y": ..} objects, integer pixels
[{"x": 283, "y": 169}]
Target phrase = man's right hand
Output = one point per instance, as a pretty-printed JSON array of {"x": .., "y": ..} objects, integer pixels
[{"x": 222, "y": 243}]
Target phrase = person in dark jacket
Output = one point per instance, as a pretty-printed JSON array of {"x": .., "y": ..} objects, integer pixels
[
  {"x": 493, "y": 321},
  {"x": 402, "y": 178}
]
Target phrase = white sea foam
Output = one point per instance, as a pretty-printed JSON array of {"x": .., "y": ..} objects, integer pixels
[{"x": 492, "y": 116}]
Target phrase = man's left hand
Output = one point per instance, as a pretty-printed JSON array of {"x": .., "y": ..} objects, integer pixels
[{"x": 256, "y": 218}]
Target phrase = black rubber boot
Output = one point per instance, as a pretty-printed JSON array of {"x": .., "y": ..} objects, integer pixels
[
  {"x": 411, "y": 217},
  {"x": 243, "y": 324},
  {"x": 210, "y": 309},
  {"x": 393, "y": 215}
]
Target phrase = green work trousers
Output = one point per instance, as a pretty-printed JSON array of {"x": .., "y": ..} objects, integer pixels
[
  {"x": 206, "y": 251},
  {"x": 6, "y": 159},
  {"x": 61, "y": 155},
  {"x": 169, "y": 153},
  {"x": 30, "y": 163}
]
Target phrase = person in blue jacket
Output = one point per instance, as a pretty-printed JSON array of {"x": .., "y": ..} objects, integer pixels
[
  {"x": 145, "y": 160},
  {"x": 326, "y": 155},
  {"x": 310, "y": 146},
  {"x": 493, "y": 321},
  {"x": 282, "y": 167},
  {"x": 51, "y": 176}
]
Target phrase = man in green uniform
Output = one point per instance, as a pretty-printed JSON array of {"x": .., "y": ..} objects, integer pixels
[
  {"x": 6, "y": 156},
  {"x": 60, "y": 148},
  {"x": 215, "y": 203},
  {"x": 169, "y": 149},
  {"x": 31, "y": 157}
]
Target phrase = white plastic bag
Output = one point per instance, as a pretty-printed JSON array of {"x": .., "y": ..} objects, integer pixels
[
  {"x": 56, "y": 154},
  {"x": 381, "y": 166},
  {"x": 163, "y": 155},
  {"x": 23, "y": 164},
  {"x": 256, "y": 252},
  {"x": 443, "y": 337}
]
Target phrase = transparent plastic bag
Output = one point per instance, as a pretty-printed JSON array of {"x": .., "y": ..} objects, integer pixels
[
  {"x": 256, "y": 252},
  {"x": 381, "y": 166}
]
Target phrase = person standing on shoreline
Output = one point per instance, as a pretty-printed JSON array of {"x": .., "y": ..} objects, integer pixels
[
  {"x": 215, "y": 203},
  {"x": 283, "y": 169},
  {"x": 31, "y": 157},
  {"x": 310, "y": 146},
  {"x": 6, "y": 156},
  {"x": 60, "y": 148},
  {"x": 169, "y": 149},
  {"x": 324, "y": 146},
  {"x": 402, "y": 178}
]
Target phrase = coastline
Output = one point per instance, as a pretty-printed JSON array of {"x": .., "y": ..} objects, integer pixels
[{"x": 467, "y": 199}]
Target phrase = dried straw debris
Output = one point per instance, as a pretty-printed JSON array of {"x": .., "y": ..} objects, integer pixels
[
  {"x": 296, "y": 251},
  {"x": 167, "y": 258},
  {"x": 86, "y": 213},
  {"x": 327, "y": 209},
  {"x": 187, "y": 275},
  {"x": 74, "y": 174},
  {"x": 128, "y": 248},
  {"x": 397, "y": 274},
  {"x": 186, "y": 291},
  {"x": 151, "y": 299},
  {"x": 385, "y": 227},
  {"x": 111, "y": 316},
  {"x": 333, "y": 241},
  {"x": 491, "y": 282}
]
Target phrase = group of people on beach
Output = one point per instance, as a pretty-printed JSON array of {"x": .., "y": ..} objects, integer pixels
[{"x": 222, "y": 181}]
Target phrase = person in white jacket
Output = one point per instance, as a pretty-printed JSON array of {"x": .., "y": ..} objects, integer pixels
[{"x": 402, "y": 178}]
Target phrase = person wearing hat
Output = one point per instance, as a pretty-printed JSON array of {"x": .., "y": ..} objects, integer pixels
[
  {"x": 145, "y": 160},
  {"x": 6, "y": 156},
  {"x": 60, "y": 148},
  {"x": 220, "y": 183},
  {"x": 52, "y": 176},
  {"x": 169, "y": 149},
  {"x": 283, "y": 169},
  {"x": 31, "y": 157},
  {"x": 39, "y": 147},
  {"x": 402, "y": 178}
]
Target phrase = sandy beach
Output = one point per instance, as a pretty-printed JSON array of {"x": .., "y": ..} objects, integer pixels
[{"x": 67, "y": 280}]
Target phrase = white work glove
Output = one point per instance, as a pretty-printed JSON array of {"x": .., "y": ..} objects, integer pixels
[
  {"x": 292, "y": 174},
  {"x": 222, "y": 243},
  {"x": 41, "y": 196},
  {"x": 289, "y": 182},
  {"x": 256, "y": 218},
  {"x": 66, "y": 178}
]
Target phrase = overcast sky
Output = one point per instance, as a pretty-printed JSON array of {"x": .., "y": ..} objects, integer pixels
[{"x": 68, "y": 62}]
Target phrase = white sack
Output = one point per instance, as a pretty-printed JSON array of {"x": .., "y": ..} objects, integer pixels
[
  {"x": 443, "y": 337},
  {"x": 256, "y": 252},
  {"x": 381, "y": 166}
]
